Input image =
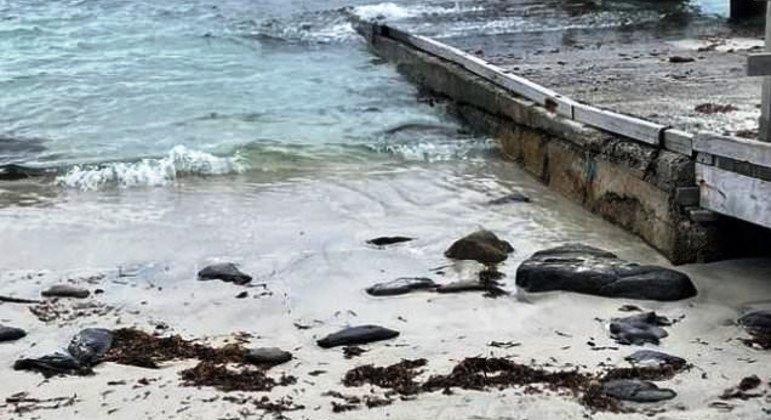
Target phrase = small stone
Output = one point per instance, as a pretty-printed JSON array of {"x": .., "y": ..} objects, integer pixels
[
  {"x": 636, "y": 390},
  {"x": 516, "y": 197},
  {"x": 388, "y": 240},
  {"x": 65, "y": 290},
  {"x": 357, "y": 335},
  {"x": 242, "y": 295},
  {"x": 11, "y": 333},
  {"x": 90, "y": 345},
  {"x": 481, "y": 246},
  {"x": 639, "y": 329},
  {"x": 267, "y": 356},
  {"x": 401, "y": 286},
  {"x": 681, "y": 59},
  {"x": 656, "y": 358},
  {"x": 227, "y": 272},
  {"x": 50, "y": 365}
]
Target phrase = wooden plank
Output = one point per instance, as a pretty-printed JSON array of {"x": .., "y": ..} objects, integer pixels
[
  {"x": 734, "y": 195},
  {"x": 755, "y": 152},
  {"x": 678, "y": 141},
  {"x": 518, "y": 85},
  {"x": 759, "y": 64},
  {"x": 625, "y": 125}
]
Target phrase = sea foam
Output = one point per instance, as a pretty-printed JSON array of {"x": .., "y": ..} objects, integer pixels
[{"x": 180, "y": 161}]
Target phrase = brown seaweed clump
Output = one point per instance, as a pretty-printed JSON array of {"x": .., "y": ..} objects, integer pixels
[
  {"x": 138, "y": 348},
  {"x": 226, "y": 379},
  {"x": 480, "y": 374}
]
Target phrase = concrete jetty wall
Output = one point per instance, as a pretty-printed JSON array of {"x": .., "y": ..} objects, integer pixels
[{"x": 634, "y": 184}]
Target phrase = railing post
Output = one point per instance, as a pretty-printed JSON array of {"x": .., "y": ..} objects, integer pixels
[{"x": 764, "y": 132}]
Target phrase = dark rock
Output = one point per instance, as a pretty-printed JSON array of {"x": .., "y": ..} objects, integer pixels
[
  {"x": 510, "y": 198},
  {"x": 757, "y": 322},
  {"x": 585, "y": 269},
  {"x": 357, "y": 335},
  {"x": 11, "y": 333},
  {"x": 50, "y": 365},
  {"x": 470, "y": 286},
  {"x": 401, "y": 286},
  {"x": 242, "y": 295},
  {"x": 65, "y": 290},
  {"x": 90, "y": 345},
  {"x": 482, "y": 246},
  {"x": 681, "y": 59},
  {"x": 490, "y": 274},
  {"x": 388, "y": 240},
  {"x": 657, "y": 358},
  {"x": 639, "y": 329},
  {"x": 636, "y": 390},
  {"x": 227, "y": 272},
  {"x": 267, "y": 356}
]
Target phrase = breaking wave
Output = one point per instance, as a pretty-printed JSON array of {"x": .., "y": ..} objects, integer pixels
[{"x": 180, "y": 161}]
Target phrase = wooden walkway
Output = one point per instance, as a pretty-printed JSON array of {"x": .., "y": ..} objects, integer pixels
[{"x": 733, "y": 175}]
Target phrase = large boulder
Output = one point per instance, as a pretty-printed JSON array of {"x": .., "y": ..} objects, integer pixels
[
  {"x": 357, "y": 335},
  {"x": 89, "y": 346},
  {"x": 482, "y": 246},
  {"x": 585, "y": 269},
  {"x": 227, "y": 272}
]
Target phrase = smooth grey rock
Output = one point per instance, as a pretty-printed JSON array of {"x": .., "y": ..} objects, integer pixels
[
  {"x": 65, "y": 290},
  {"x": 90, "y": 345},
  {"x": 757, "y": 322},
  {"x": 471, "y": 286},
  {"x": 227, "y": 272},
  {"x": 657, "y": 358},
  {"x": 401, "y": 286},
  {"x": 515, "y": 197},
  {"x": 639, "y": 329},
  {"x": 357, "y": 335},
  {"x": 482, "y": 246},
  {"x": 388, "y": 240},
  {"x": 50, "y": 365},
  {"x": 585, "y": 269},
  {"x": 636, "y": 390},
  {"x": 11, "y": 333},
  {"x": 267, "y": 356}
]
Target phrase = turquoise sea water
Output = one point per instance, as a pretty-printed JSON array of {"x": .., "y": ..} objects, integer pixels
[{"x": 137, "y": 93}]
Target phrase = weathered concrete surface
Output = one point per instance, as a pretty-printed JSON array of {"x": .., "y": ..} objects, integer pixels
[
  {"x": 633, "y": 74},
  {"x": 626, "y": 182}
]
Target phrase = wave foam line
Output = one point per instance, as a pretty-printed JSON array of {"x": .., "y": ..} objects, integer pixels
[{"x": 150, "y": 172}]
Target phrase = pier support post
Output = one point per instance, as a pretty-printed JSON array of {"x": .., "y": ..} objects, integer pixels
[{"x": 764, "y": 132}]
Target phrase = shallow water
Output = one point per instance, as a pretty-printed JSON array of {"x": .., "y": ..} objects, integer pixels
[{"x": 264, "y": 133}]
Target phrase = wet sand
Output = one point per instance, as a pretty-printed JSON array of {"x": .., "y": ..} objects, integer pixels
[{"x": 303, "y": 241}]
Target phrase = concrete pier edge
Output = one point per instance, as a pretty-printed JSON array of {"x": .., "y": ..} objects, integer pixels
[{"x": 635, "y": 173}]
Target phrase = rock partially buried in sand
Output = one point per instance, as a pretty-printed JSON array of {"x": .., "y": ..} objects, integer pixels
[
  {"x": 757, "y": 322},
  {"x": 357, "y": 335},
  {"x": 636, "y": 390},
  {"x": 65, "y": 290},
  {"x": 585, "y": 269},
  {"x": 401, "y": 286},
  {"x": 655, "y": 358},
  {"x": 89, "y": 346},
  {"x": 492, "y": 288},
  {"x": 11, "y": 333},
  {"x": 482, "y": 246},
  {"x": 86, "y": 349},
  {"x": 639, "y": 329},
  {"x": 388, "y": 240},
  {"x": 227, "y": 272},
  {"x": 52, "y": 364},
  {"x": 267, "y": 356},
  {"x": 516, "y": 197}
]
